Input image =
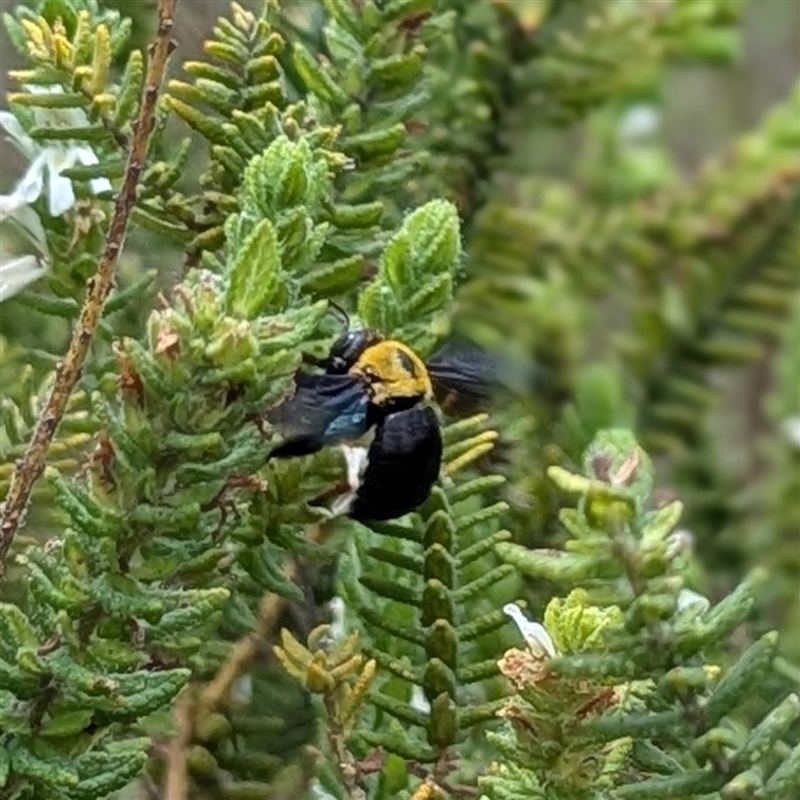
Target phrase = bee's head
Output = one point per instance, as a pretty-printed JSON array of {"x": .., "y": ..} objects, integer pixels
[
  {"x": 348, "y": 348},
  {"x": 394, "y": 373}
]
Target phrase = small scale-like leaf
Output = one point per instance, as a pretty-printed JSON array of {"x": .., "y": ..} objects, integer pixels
[
  {"x": 377, "y": 307},
  {"x": 432, "y": 297},
  {"x": 66, "y": 724},
  {"x": 254, "y": 275},
  {"x": 316, "y": 79},
  {"x": 376, "y": 143},
  {"x": 329, "y": 279},
  {"x": 56, "y": 772}
]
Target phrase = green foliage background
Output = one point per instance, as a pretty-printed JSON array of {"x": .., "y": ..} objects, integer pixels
[{"x": 525, "y": 173}]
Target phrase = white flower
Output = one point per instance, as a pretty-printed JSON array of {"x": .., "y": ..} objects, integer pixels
[
  {"x": 50, "y": 160},
  {"x": 418, "y": 700},
  {"x": 18, "y": 272},
  {"x": 535, "y": 634}
]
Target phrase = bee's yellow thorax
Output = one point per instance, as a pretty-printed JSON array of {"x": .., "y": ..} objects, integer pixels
[{"x": 393, "y": 370}]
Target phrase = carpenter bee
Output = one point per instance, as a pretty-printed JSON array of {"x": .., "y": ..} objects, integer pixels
[{"x": 368, "y": 381}]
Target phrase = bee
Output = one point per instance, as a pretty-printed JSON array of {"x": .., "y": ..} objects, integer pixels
[{"x": 366, "y": 382}]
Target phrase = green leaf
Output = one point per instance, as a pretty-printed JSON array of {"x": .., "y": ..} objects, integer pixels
[
  {"x": 206, "y": 126},
  {"x": 254, "y": 275},
  {"x": 66, "y": 724},
  {"x": 737, "y": 684},
  {"x": 105, "y": 771},
  {"x": 330, "y": 279},
  {"x": 346, "y": 15},
  {"x": 374, "y": 143},
  {"x": 264, "y": 566},
  {"x": 557, "y": 565},
  {"x": 5, "y": 766},
  {"x": 15, "y": 629},
  {"x": 397, "y": 70},
  {"x": 614, "y": 457},
  {"x": 16, "y": 33},
  {"x": 427, "y": 245},
  {"x": 397, "y": 264},
  {"x": 363, "y": 215},
  {"x": 130, "y": 88},
  {"x": 377, "y": 307},
  {"x": 56, "y": 771},
  {"x": 432, "y": 297},
  {"x": 52, "y": 10},
  {"x": 316, "y": 79},
  {"x": 50, "y": 101}
]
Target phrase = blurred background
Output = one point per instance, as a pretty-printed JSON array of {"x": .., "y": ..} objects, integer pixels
[{"x": 704, "y": 107}]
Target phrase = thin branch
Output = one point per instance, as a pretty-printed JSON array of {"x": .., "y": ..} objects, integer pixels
[
  {"x": 68, "y": 370},
  {"x": 215, "y": 694},
  {"x": 348, "y": 766},
  {"x": 177, "y": 782}
]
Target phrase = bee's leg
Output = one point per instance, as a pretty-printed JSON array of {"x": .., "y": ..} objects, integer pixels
[{"x": 314, "y": 361}]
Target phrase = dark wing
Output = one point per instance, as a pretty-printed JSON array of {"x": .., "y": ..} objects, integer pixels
[
  {"x": 324, "y": 410},
  {"x": 464, "y": 377},
  {"x": 403, "y": 463}
]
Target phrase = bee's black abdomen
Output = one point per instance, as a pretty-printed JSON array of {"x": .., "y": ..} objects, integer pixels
[{"x": 403, "y": 464}]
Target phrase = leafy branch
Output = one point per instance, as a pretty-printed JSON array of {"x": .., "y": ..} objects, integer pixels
[{"x": 30, "y": 468}]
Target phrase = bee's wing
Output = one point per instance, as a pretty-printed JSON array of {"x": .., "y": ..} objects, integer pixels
[
  {"x": 325, "y": 409},
  {"x": 463, "y": 377}
]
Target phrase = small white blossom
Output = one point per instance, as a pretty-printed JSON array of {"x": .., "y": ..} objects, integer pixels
[
  {"x": 45, "y": 165},
  {"x": 47, "y": 162},
  {"x": 18, "y": 272},
  {"x": 418, "y": 700},
  {"x": 535, "y": 634}
]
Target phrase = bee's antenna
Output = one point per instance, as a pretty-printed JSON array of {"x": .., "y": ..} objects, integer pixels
[{"x": 341, "y": 312}]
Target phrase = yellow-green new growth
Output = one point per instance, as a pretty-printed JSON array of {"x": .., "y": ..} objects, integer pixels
[{"x": 339, "y": 673}]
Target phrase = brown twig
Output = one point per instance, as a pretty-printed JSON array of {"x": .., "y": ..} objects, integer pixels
[
  {"x": 31, "y": 466},
  {"x": 177, "y": 783},
  {"x": 348, "y": 766},
  {"x": 195, "y": 705},
  {"x": 215, "y": 694}
]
